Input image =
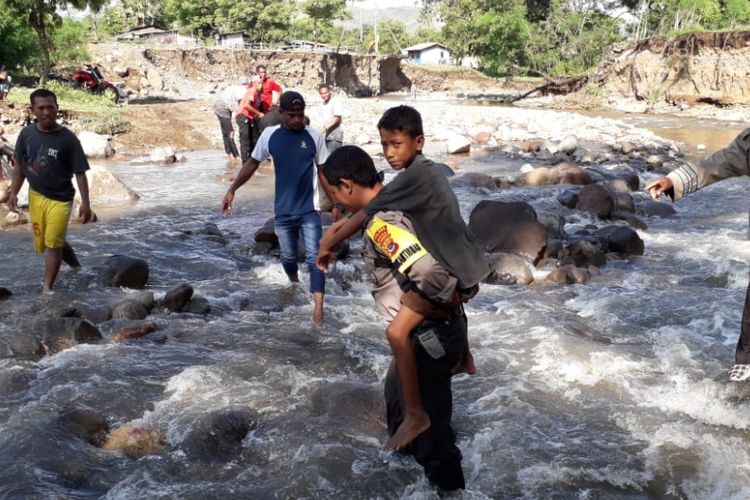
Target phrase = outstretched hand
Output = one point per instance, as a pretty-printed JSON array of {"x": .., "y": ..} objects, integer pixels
[
  {"x": 226, "y": 203},
  {"x": 659, "y": 187}
]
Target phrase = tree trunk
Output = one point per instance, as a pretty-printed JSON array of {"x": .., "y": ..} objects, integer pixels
[{"x": 37, "y": 22}]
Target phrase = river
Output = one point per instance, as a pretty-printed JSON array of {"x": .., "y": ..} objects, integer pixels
[{"x": 613, "y": 389}]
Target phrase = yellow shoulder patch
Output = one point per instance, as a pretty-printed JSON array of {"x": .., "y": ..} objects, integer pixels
[{"x": 400, "y": 246}]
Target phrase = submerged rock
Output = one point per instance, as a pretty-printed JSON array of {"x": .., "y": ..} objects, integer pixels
[
  {"x": 134, "y": 331},
  {"x": 569, "y": 274},
  {"x": 198, "y": 305},
  {"x": 510, "y": 269},
  {"x": 219, "y": 435},
  {"x": 5, "y": 294},
  {"x": 135, "y": 442},
  {"x": 86, "y": 425}
]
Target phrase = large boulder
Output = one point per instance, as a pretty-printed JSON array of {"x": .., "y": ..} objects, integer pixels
[
  {"x": 510, "y": 269},
  {"x": 52, "y": 335},
  {"x": 105, "y": 188},
  {"x": 596, "y": 200},
  {"x": 508, "y": 227},
  {"x": 621, "y": 239},
  {"x": 178, "y": 297},
  {"x": 5, "y": 294},
  {"x": 124, "y": 271},
  {"x": 96, "y": 145}
]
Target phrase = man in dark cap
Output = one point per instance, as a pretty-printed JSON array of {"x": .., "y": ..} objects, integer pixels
[{"x": 296, "y": 149}]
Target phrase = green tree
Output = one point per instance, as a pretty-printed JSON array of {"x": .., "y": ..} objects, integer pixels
[
  {"x": 18, "y": 45},
  {"x": 736, "y": 12},
  {"x": 324, "y": 12},
  {"x": 44, "y": 17}
]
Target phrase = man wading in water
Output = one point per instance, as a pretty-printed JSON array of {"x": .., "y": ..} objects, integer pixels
[
  {"x": 296, "y": 150},
  {"x": 732, "y": 161},
  {"x": 426, "y": 323},
  {"x": 48, "y": 155}
]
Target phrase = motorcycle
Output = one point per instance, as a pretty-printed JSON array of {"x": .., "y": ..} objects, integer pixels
[{"x": 91, "y": 79}]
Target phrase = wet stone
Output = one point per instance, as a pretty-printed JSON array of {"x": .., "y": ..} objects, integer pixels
[
  {"x": 177, "y": 297},
  {"x": 124, "y": 271},
  {"x": 198, "y": 305},
  {"x": 129, "y": 309},
  {"x": 5, "y": 294}
]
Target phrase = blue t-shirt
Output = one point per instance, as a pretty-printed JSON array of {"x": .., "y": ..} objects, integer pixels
[{"x": 295, "y": 154}]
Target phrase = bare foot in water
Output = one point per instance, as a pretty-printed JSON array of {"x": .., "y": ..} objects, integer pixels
[
  {"x": 413, "y": 425},
  {"x": 318, "y": 310},
  {"x": 466, "y": 365}
]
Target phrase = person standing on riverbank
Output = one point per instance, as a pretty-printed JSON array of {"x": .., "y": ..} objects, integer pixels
[
  {"x": 732, "y": 161},
  {"x": 296, "y": 150},
  {"x": 224, "y": 110},
  {"x": 48, "y": 155},
  {"x": 331, "y": 114}
]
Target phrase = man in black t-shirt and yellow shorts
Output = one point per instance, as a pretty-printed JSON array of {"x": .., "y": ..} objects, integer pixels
[{"x": 48, "y": 155}]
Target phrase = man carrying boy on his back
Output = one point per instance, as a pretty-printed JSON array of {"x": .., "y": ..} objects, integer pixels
[
  {"x": 732, "y": 161},
  {"x": 48, "y": 155},
  {"x": 427, "y": 326}
]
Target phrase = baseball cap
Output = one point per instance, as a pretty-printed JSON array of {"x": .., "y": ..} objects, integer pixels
[{"x": 290, "y": 100}]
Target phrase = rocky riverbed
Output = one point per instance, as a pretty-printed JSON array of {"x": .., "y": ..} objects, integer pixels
[{"x": 187, "y": 367}]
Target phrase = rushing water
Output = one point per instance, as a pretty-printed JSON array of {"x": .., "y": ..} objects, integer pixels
[{"x": 613, "y": 389}]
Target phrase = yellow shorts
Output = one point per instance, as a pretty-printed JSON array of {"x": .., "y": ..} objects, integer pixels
[{"x": 49, "y": 219}]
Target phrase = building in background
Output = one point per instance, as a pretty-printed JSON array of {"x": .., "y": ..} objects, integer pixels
[{"x": 427, "y": 53}]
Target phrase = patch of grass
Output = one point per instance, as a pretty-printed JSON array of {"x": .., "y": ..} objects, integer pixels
[
  {"x": 594, "y": 90},
  {"x": 89, "y": 111}
]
